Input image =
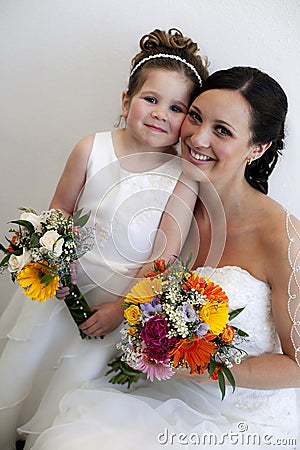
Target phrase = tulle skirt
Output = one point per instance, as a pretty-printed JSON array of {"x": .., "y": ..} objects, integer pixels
[
  {"x": 173, "y": 414},
  {"x": 43, "y": 357}
]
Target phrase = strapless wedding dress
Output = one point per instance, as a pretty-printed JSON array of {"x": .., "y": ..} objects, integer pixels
[{"x": 182, "y": 414}]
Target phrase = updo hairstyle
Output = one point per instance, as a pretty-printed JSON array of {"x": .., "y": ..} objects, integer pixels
[{"x": 174, "y": 43}]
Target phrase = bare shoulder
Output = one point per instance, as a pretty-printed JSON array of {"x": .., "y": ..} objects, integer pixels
[{"x": 83, "y": 148}]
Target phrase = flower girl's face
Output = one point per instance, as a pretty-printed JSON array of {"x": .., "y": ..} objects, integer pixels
[
  {"x": 216, "y": 134},
  {"x": 156, "y": 112}
]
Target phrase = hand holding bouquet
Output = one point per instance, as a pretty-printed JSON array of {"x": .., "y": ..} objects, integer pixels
[
  {"x": 174, "y": 318},
  {"x": 42, "y": 252}
]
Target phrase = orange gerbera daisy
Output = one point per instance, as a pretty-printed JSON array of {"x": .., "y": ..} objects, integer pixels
[
  {"x": 215, "y": 315},
  {"x": 144, "y": 291},
  {"x": 195, "y": 352},
  {"x": 215, "y": 292},
  {"x": 30, "y": 279},
  {"x": 194, "y": 281}
]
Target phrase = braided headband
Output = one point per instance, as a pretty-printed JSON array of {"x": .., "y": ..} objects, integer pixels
[{"x": 165, "y": 55}]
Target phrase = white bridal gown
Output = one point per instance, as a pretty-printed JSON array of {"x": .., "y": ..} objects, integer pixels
[
  {"x": 181, "y": 414},
  {"x": 43, "y": 354}
]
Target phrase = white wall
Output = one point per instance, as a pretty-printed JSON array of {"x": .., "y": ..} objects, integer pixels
[{"x": 64, "y": 64}]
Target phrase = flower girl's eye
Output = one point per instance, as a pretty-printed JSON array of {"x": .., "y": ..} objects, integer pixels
[{"x": 151, "y": 100}]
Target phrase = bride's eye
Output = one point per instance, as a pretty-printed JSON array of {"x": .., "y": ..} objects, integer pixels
[
  {"x": 194, "y": 116},
  {"x": 223, "y": 131}
]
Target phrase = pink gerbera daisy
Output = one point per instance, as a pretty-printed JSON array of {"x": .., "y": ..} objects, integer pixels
[{"x": 152, "y": 369}]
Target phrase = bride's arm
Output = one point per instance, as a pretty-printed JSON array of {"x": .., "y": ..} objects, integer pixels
[{"x": 277, "y": 371}]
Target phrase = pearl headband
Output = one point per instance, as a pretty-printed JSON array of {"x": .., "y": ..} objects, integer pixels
[{"x": 165, "y": 55}]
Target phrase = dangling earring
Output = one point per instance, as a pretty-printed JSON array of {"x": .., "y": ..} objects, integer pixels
[{"x": 249, "y": 161}]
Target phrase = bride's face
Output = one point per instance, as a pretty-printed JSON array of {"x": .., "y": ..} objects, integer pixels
[{"x": 216, "y": 135}]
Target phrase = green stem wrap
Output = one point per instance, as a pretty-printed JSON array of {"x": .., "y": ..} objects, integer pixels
[{"x": 78, "y": 307}]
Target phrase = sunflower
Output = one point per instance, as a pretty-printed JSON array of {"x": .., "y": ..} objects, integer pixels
[
  {"x": 30, "y": 278},
  {"x": 195, "y": 352},
  {"x": 144, "y": 291},
  {"x": 215, "y": 315}
]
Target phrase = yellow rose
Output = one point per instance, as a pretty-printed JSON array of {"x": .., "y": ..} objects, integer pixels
[{"x": 132, "y": 314}]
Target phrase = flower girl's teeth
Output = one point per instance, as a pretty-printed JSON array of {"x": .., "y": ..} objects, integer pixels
[{"x": 200, "y": 157}]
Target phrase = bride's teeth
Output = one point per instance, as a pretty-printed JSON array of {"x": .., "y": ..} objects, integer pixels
[{"x": 199, "y": 157}]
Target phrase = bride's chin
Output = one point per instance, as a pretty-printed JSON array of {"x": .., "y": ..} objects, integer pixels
[{"x": 192, "y": 171}]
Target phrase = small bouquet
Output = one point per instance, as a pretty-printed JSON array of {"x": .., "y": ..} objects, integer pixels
[
  {"x": 174, "y": 318},
  {"x": 40, "y": 256}
]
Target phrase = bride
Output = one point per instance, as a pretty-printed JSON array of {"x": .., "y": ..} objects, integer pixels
[{"x": 233, "y": 133}]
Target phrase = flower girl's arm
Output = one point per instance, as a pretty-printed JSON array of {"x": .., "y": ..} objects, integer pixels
[
  {"x": 73, "y": 177},
  {"x": 173, "y": 230},
  {"x": 175, "y": 223}
]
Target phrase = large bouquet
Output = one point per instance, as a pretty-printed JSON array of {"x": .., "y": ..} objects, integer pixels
[
  {"x": 42, "y": 252},
  {"x": 174, "y": 318}
]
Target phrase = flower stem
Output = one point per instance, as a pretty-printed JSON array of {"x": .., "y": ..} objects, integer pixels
[{"x": 78, "y": 307}]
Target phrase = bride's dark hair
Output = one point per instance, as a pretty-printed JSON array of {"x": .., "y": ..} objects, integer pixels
[{"x": 268, "y": 109}]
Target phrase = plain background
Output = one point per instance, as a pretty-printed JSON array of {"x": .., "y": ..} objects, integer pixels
[{"x": 64, "y": 64}]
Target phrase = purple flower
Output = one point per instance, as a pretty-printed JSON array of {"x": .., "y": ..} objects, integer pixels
[
  {"x": 149, "y": 309},
  {"x": 188, "y": 313},
  {"x": 155, "y": 330},
  {"x": 202, "y": 329},
  {"x": 157, "y": 352},
  {"x": 172, "y": 341}
]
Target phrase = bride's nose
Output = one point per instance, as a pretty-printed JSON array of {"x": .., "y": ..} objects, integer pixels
[{"x": 200, "y": 138}]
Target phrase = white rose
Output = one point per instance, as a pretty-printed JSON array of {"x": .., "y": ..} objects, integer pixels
[
  {"x": 16, "y": 263},
  {"x": 32, "y": 218},
  {"x": 52, "y": 241}
]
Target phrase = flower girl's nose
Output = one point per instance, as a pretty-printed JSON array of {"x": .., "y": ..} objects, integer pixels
[{"x": 159, "y": 114}]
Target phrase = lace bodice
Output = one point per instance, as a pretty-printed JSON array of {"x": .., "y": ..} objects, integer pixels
[{"x": 243, "y": 290}]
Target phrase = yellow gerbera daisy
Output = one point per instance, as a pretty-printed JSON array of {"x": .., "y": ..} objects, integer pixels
[
  {"x": 30, "y": 277},
  {"x": 215, "y": 315},
  {"x": 144, "y": 291}
]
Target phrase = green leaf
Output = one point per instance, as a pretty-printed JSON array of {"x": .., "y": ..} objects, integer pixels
[
  {"x": 47, "y": 278},
  {"x": 4, "y": 260},
  {"x": 229, "y": 376},
  {"x": 30, "y": 210},
  {"x": 34, "y": 240},
  {"x": 235, "y": 312},
  {"x": 77, "y": 214},
  {"x": 24, "y": 223},
  {"x": 222, "y": 385},
  {"x": 241, "y": 332},
  {"x": 51, "y": 269},
  {"x": 212, "y": 366},
  {"x": 80, "y": 221}
]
